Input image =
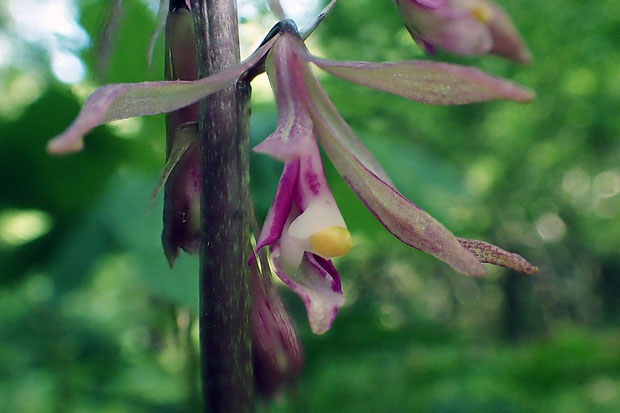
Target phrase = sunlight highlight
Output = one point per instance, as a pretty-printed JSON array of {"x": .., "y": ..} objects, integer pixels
[{"x": 19, "y": 227}]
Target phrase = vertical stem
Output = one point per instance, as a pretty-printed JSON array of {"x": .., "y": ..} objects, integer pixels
[{"x": 225, "y": 335}]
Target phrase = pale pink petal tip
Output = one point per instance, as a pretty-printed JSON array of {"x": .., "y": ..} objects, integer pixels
[{"x": 65, "y": 144}]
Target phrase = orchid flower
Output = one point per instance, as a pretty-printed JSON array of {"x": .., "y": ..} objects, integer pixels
[
  {"x": 295, "y": 220},
  {"x": 304, "y": 227},
  {"x": 467, "y": 27}
]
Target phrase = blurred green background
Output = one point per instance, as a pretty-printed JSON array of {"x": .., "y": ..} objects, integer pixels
[{"x": 93, "y": 320}]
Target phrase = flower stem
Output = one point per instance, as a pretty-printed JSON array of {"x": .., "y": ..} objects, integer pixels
[{"x": 225, "y": 334}]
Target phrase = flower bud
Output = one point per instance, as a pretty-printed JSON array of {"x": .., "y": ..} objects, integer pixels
[
  {"x": 182, "y": 189},
  {"x": 277, "y": 352},
  {"x": 182, "y": 201}
]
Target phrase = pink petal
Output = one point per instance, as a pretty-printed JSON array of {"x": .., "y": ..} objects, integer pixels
[
  {"x": 426, "y": 82},
  {"x": 318, "y": 284},
  {"x": 353, "y": 142},
  {"x": 402, "y": 218},
  {"x": 125, "y": 100},
  {"x": 492, "y": 254},
  {"x": 286, "y": 76},
  {"x": 445, "y": 24},
  {"x": 429, "y": 4}
]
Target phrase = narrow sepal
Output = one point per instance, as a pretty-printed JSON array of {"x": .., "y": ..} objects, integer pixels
[
  {"x": 294, "y": 132},
  {"x": 125, "y": 100},
  {"x": 426, "y": 82}
]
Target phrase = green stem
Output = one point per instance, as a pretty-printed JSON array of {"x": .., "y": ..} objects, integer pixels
[{"x": 225, "y": 334}]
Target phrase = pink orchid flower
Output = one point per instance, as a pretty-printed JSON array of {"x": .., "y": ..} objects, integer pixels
[
  {"x": 304, "y": 227},
  {"x": 467, "y": 27}
]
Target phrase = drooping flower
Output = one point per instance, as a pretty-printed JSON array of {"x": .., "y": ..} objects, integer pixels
[
  {"x": 306, "y": 113},
  {"x": 467, "y": 27},
  {"x": 304, "y": 228}
]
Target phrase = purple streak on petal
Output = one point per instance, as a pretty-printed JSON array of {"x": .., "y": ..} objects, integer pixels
[
  {"x": 281, "y": 207},
  {"x": 426, "y": 82},
  {"x": 402, "y": 218},
  {"x": 328, "y": 266},
  {"x": 294, "y": 131},
  {"x": 318, "y": 286},
  {"x": 312, "y": 181},
  {"x": 492, "y": 254},
  {"x": 125, "y": 100}
]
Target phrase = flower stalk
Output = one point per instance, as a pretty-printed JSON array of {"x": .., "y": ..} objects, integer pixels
[{"x": 225, "y": 333}]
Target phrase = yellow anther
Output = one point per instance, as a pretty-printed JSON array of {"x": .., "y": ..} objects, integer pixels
[
  {"x": 331, "y": 242},
  {"x": 482, "y": 13}
]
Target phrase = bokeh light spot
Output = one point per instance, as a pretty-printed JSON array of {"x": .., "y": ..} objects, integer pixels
[
  {"x": 550, "y": 227},
  {"x": 18, "y": 227},
  {"x": 576, "y": 182},
  {"x": 67, "y": 67}
]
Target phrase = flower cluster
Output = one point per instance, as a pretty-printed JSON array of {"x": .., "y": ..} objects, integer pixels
[{"x": 304, "y": 228}]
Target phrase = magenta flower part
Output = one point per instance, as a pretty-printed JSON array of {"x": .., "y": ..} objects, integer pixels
[
  {"x": 304, "y": 228},
  {"x": 467, "y": 27},
  {"x": 276, "y": 350}
]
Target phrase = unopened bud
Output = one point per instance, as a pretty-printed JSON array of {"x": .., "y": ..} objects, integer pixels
[
  {"x": 182, "y": 188},
  {"x": 278, "y": 358}
]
